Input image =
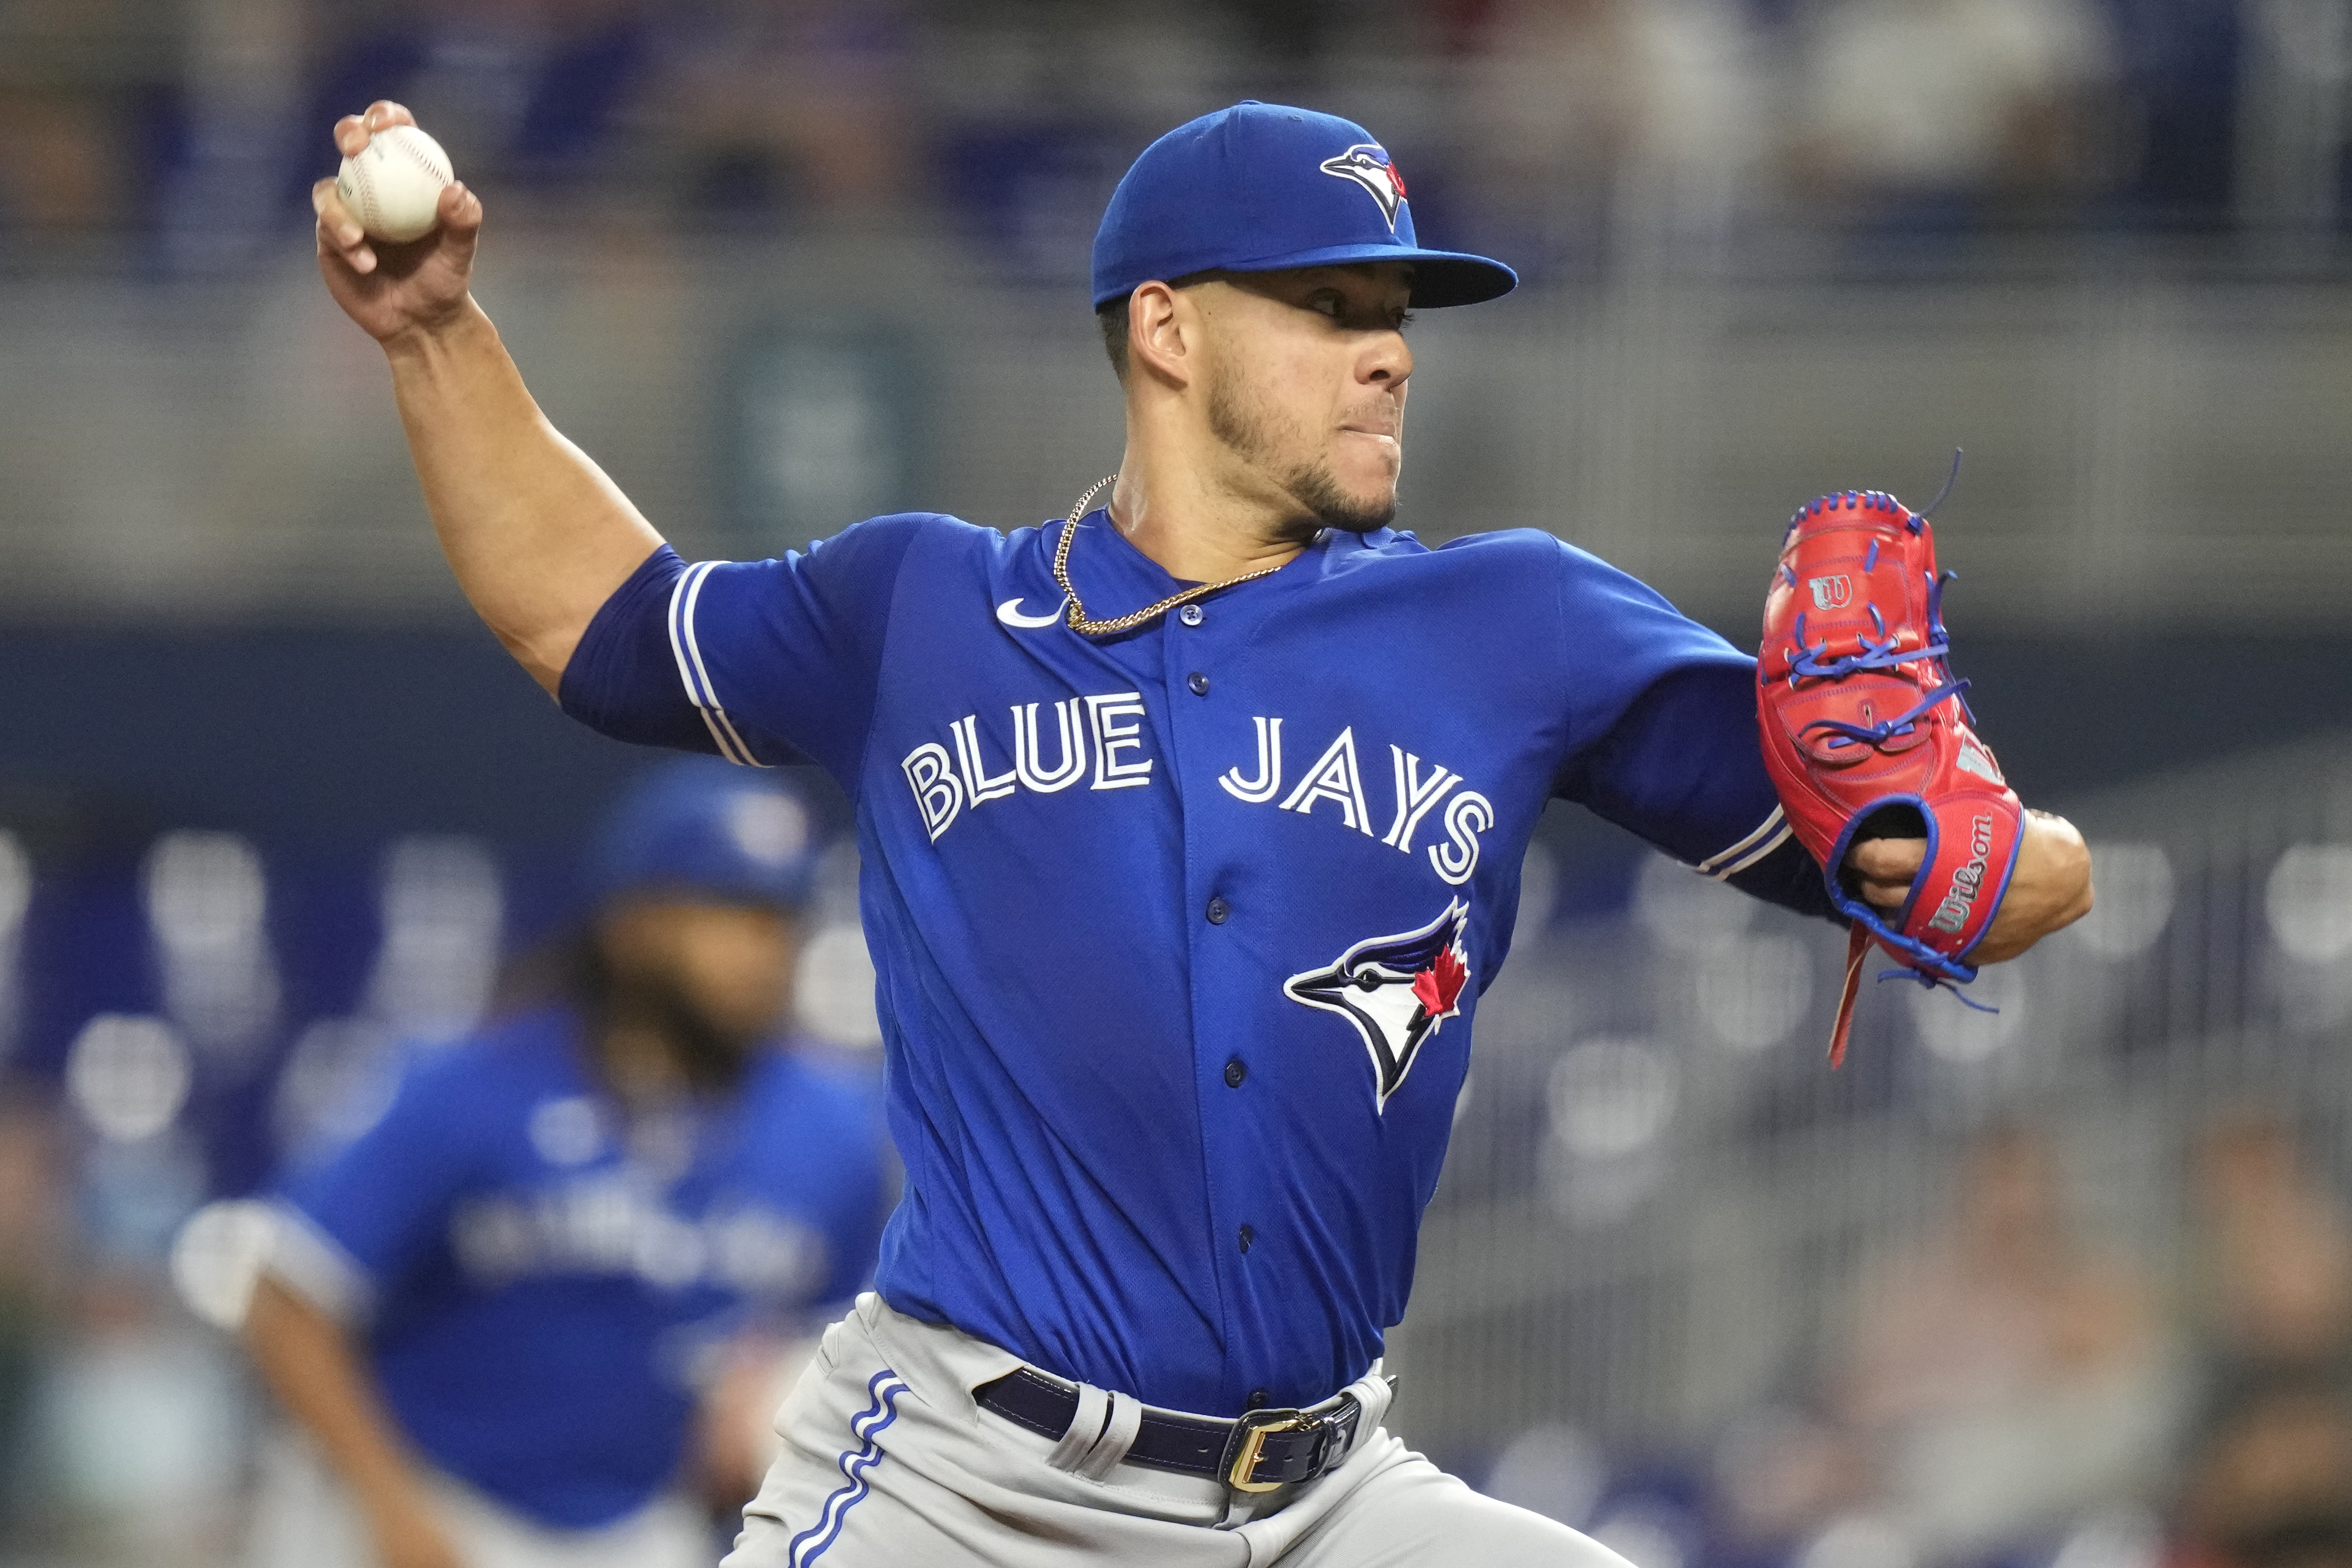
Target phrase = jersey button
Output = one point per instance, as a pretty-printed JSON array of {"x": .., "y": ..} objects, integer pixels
[
  {"x": 1198, "y": 682},
  {"x": 1247, "y": 1236},
  {"x": 1234, "y": 1073},
  {"x": 1191, "y": 615},
  {"x": 1218, "y": 911},
  {"x": 1260, "y": 1398}
]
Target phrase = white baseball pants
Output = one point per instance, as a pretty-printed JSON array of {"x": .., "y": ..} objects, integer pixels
[{"x": 888, "y": 1461}]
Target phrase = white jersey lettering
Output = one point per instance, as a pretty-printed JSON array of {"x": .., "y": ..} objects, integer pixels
[
  {"x": 978, "y": 785},
  {"x": 1470, "y": 814},
  {"x": 1335, "y": 777},
  {"x": 1112, "y": 737},
  {"x": 1027, "y": 757},
  {"x": 1414, "y": 796},
  {"x": 944, "y": 782},
  {"x": 1257, "y": 791},
  {"x": 939, "y": 794}
]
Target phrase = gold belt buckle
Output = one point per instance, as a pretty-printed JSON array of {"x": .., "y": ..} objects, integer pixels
[{"x": 1254, "y": 1425}]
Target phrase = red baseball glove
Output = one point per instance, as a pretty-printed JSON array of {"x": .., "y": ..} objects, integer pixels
[{"x": 1866, "y": 733}]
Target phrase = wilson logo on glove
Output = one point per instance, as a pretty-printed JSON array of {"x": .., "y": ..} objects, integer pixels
[
  {"x": 1862, "y": 720},
  {"x": 1952, "y": 915}
]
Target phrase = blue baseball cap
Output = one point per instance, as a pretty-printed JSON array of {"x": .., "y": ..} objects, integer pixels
[
  {"x": 704, "y": 829},
  {"x": 1260, "y": 187}
]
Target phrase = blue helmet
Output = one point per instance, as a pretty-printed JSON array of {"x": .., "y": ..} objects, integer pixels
[{"x": 702, "y": 827}]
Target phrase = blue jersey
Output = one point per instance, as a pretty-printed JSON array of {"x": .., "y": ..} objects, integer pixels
[
  {"x": 537, "y": 1277},
  {"x": 1180, "y": 933}
]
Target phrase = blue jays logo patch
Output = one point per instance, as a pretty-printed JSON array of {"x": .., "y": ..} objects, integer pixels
[
  {"x": 1368, "y": 163},
  {"x": 1396, "y": 990}
]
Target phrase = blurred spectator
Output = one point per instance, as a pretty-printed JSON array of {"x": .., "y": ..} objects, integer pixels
[
  {"x": 529, "y": 91},
  {"x": 730, "y": 108},
  {"x": 137, "y": 1419},
  {"x": 1285, "y": 38},
  {"x": 2268, "y": 1481},
  {"x": 145, "y": 1426},
  {"x": 784, "y": 107},
  {"x": 2270, "y": 1485},
  {"x": 2006, "y": 1374},
  {"x": 32, "y": 1240},
  {"x": 1781, "y": 1475},
  {"x": 217, "y": 158},
  {"x": 60, "y": 170},
  {"x": 1932, "y": 115},
  {"x": 74, "y": 81},
  {"x": 2275, "y": 1254},
  {"x": 2182, "y": 62},
  {"x": 1585, "y": 113}
]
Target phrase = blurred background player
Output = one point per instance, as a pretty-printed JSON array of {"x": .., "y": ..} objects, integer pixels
[{"x": 518, "y": 1316}]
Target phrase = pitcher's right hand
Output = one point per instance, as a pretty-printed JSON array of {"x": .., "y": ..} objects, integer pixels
[{"x": 394, "y": 291}]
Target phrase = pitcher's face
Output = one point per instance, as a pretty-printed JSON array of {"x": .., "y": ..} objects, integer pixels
[{"x": 1305, "y": 379}]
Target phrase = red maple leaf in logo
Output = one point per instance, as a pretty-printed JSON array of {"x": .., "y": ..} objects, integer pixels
[
  {"x": 1437, "y": 986},
  {"x": 1396, "y": 178}
]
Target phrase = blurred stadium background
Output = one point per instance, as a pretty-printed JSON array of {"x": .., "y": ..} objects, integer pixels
[{"x": 2070, "y": 1285}]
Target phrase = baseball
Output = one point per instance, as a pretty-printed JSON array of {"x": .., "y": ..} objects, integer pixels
[{"x": 394, "y": 185}]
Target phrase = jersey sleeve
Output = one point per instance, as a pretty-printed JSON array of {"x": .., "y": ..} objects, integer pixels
[
  {"x": 349, "y": 1230},
  {"x": 1662, "y": 724},
  {"x": 765, "y": 663}
]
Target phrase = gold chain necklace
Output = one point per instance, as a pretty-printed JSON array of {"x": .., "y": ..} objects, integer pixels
[{"x": 1076, "y": 611}]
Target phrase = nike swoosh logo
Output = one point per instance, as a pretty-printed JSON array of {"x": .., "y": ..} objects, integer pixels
[{"x": 1010, "y": 613}]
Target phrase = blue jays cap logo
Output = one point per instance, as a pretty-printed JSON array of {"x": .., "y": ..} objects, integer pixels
[
  {"x": 1396, "y": 990},
  {"x": 1368, "y": 163}
]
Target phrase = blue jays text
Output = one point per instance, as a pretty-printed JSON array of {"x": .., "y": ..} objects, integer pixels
[{"x": 1112, "y": 721}]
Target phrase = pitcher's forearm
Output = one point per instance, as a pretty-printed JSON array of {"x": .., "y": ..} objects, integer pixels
[{"x": 537, "y": 536}]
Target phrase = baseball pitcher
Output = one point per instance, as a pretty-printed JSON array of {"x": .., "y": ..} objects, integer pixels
[{"x": 1192, "y": 825}]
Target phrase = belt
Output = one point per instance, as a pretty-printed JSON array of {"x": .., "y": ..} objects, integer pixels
[{"x": 1259, "y": 1452}]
